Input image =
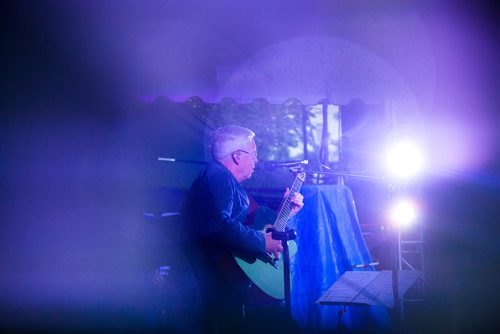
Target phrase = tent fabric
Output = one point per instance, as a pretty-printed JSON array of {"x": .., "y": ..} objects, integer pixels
[{"x": 330, "y": 242}]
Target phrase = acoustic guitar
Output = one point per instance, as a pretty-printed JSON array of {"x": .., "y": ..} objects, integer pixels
[{"x": 268, "y": 275}]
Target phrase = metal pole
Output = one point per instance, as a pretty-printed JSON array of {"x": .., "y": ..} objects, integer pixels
[{"x": 286, "y": 271}]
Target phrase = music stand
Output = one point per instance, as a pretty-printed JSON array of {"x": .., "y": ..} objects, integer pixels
[{"x": 369, "y": 288}]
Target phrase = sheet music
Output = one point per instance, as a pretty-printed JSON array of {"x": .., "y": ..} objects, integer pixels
[
  {"x": 348, "y": 287},
  {"x": 378, "y": 292},
  {"x": 368, "y": 288}
]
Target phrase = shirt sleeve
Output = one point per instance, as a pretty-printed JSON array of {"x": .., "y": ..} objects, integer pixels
[{"x": 221, "y": 194}]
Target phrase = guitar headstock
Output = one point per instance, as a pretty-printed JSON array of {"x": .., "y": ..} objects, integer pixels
[
  {"x": 300, "y": 172},
  {"x": 302, "y": 176}
]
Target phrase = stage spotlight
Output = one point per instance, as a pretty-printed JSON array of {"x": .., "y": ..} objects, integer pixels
[
  {"x": 403, "y": 213},
  {"x": 404, "y": 160}
]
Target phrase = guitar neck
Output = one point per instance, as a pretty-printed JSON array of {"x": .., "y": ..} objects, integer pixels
[{"x": 286, "y": 206}]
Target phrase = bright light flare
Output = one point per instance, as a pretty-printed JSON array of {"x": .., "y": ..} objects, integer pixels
[
  {"x": 405, "y": 160},
  {"x": 403, "y": 213}
]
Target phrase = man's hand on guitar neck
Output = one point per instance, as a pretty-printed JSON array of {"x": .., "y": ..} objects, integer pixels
[
  {"x": 273, "y": 246},
  {"x": 297, "y": 201}
]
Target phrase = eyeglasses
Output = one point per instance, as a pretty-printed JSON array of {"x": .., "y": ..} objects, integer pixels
[{"x": 253, "y": 155}]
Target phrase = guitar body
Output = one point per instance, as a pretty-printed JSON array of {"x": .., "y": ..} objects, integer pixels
[{"x": 268, "y": 278}]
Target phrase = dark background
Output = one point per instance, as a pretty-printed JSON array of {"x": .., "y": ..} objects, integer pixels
[{"x": 72, "y": 72}]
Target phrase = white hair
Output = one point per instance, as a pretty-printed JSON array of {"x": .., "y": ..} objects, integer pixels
[{"x": 229, "y": 139}]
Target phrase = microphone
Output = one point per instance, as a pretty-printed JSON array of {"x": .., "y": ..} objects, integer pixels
[
  {"x": 270, "y": 165},
  {"x": 168, "y": 159}
]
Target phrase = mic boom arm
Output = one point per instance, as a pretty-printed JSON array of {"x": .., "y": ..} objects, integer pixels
[{"x": 269, "y": 165}]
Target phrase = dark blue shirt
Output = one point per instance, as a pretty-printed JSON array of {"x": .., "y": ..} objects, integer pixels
[{"x": 216, "y": 208}]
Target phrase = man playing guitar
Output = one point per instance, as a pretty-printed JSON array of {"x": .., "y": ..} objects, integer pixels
[{"x": 215, "y": 210}]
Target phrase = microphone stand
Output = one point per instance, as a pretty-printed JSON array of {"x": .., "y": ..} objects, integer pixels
[{"x": 284, "y": 236}]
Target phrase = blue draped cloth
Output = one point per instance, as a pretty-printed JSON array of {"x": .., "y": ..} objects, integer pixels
[{"x": 329, "y": 243}]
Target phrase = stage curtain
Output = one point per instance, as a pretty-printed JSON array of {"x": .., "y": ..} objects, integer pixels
[{"x": 330, "y": 242}]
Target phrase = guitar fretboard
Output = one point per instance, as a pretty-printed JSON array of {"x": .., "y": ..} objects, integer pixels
[{"x": 286, "y": 206}]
